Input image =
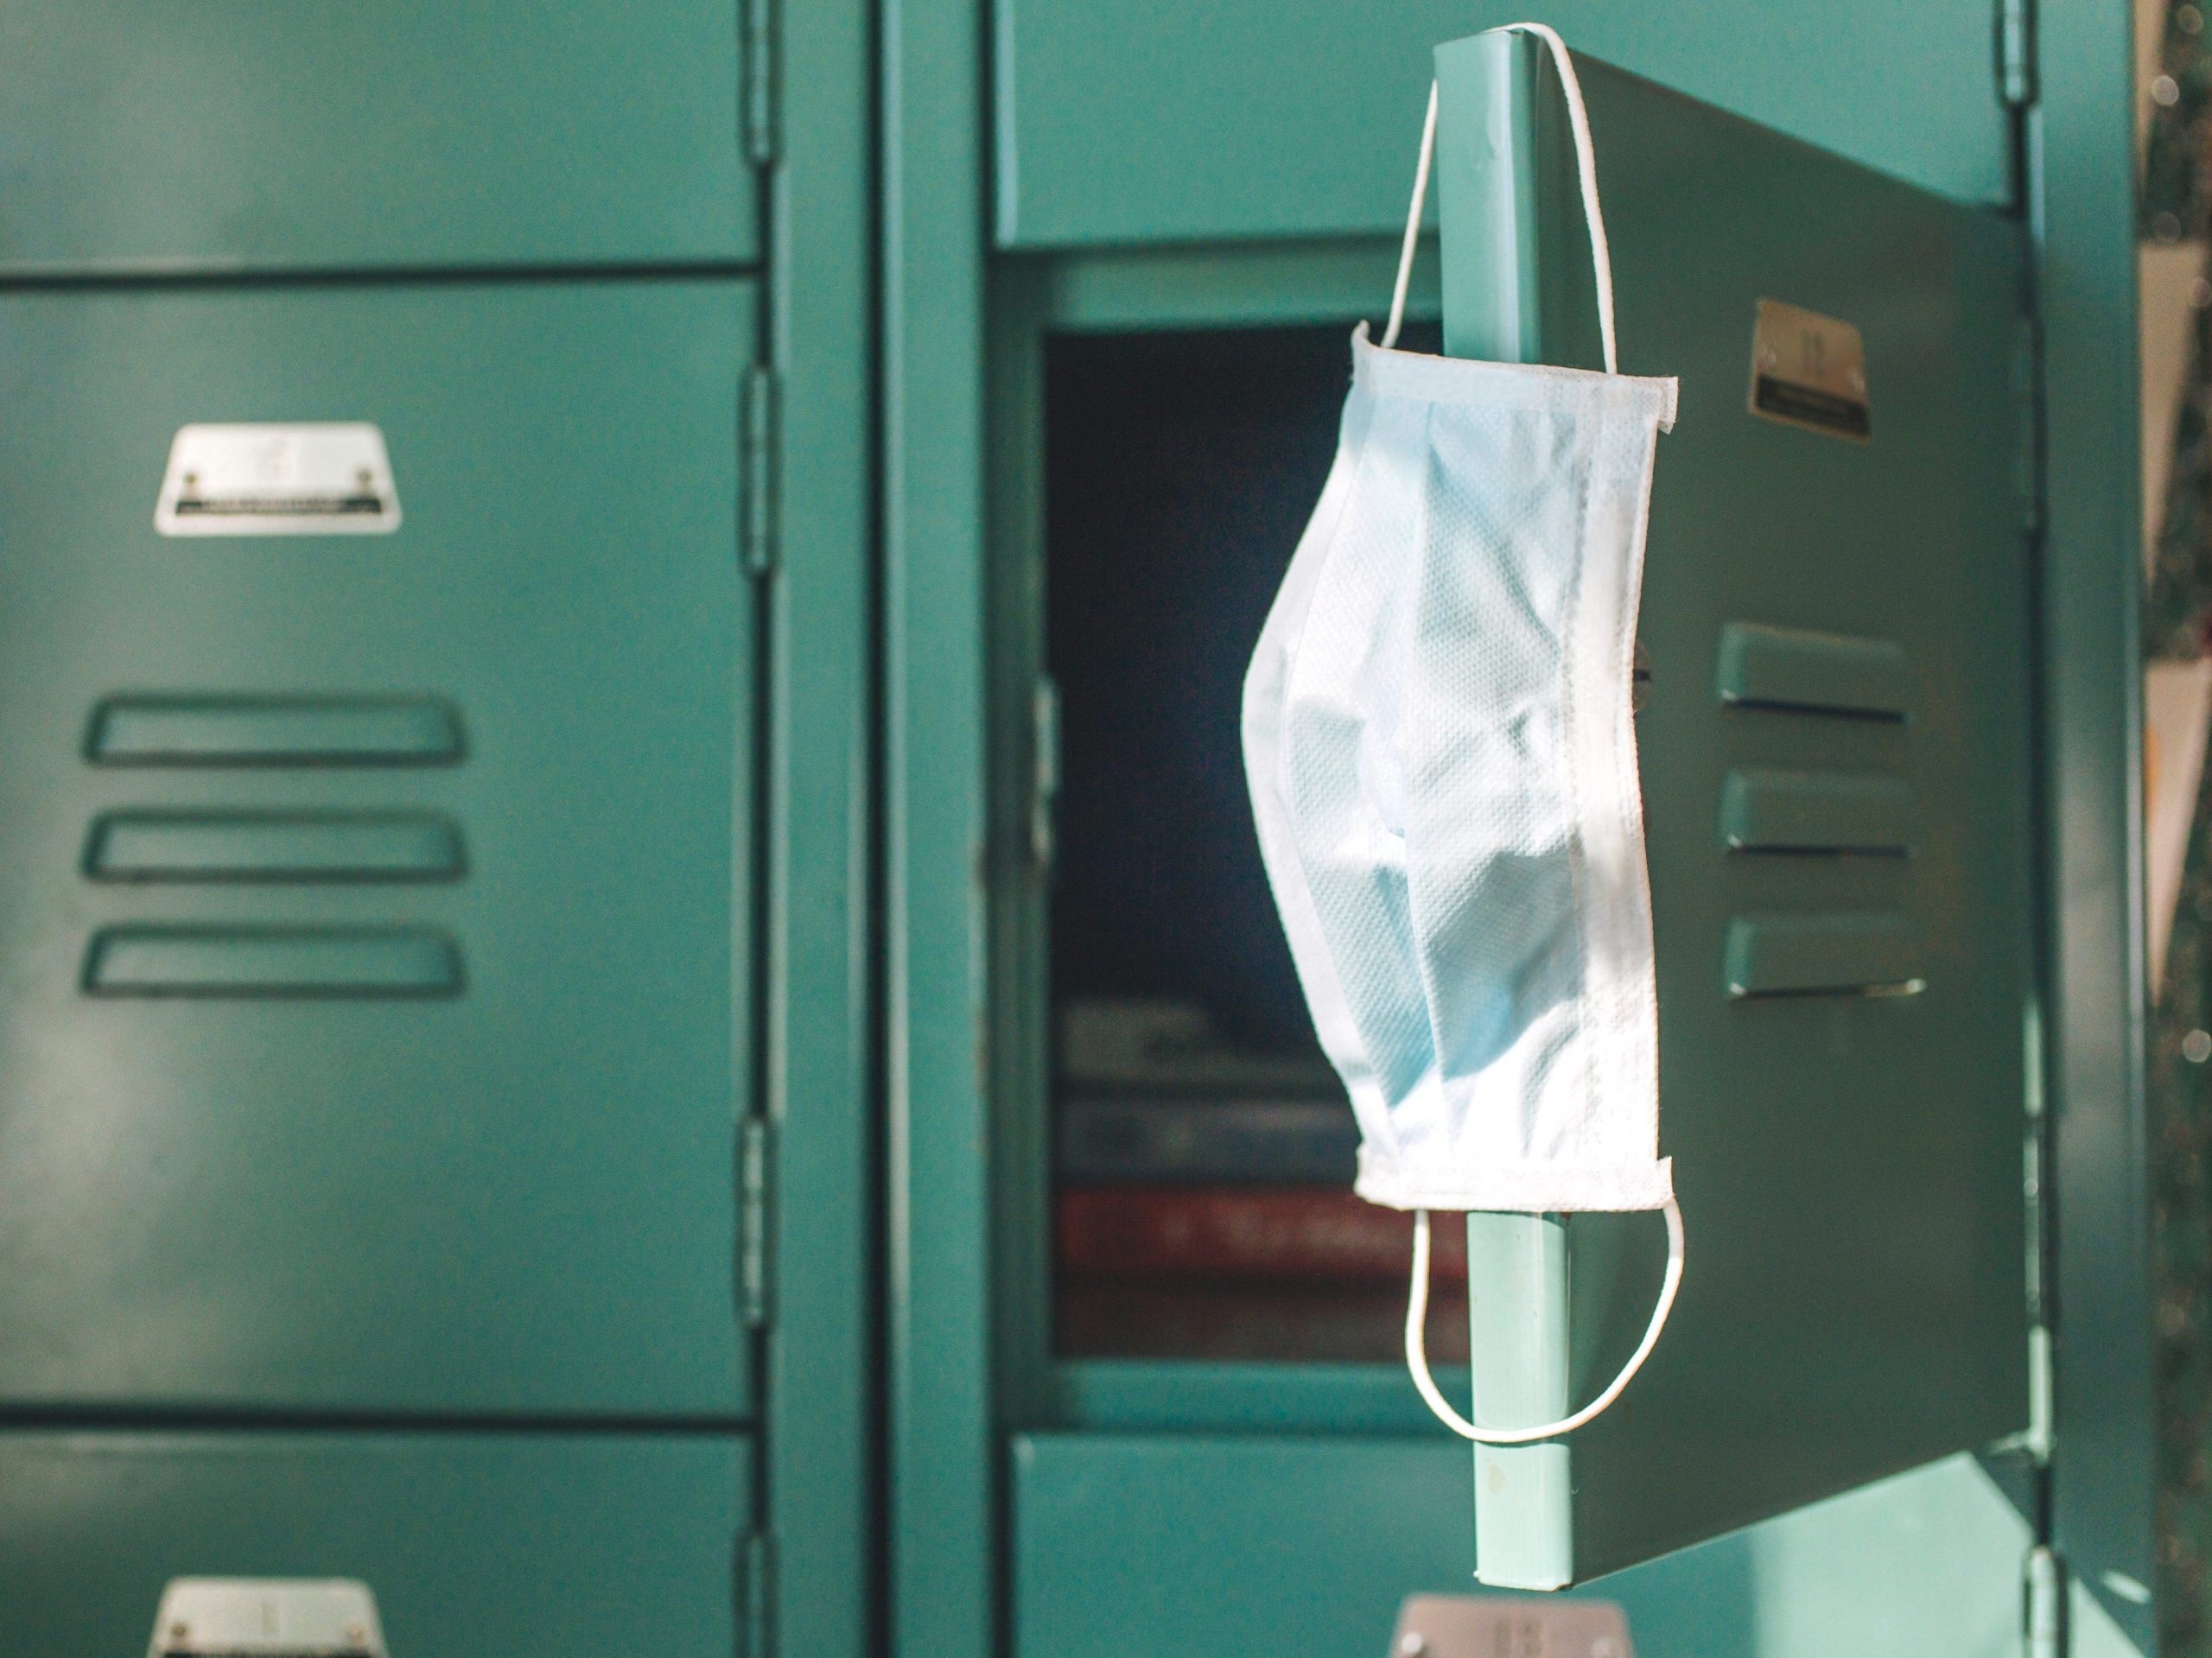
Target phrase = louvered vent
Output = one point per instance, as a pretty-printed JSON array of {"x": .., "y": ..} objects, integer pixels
[
  {"x": 1870, "y": 945},
  {"x": 162, "y": 846}
]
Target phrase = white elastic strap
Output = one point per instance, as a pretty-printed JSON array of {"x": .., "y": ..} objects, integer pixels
[
  {"x": 1417, "y": 1345},
  {"x": 1585, "y": 159},
  {"x": 1412, "y": 224}
]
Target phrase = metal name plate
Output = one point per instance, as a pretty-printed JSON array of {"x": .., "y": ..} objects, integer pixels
[
  {"x": 266, "y": 1618},
  {"x": 315, "y": 478},
  {"x": 1809, "y": 370},
  {"x": 1509, "y": 1626}
]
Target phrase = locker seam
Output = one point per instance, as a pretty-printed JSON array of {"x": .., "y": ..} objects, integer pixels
[{"x": 759, "y": 441}]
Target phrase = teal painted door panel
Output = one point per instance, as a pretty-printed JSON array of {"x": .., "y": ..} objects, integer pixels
[
  {"x": 374, "y": 909},
  {"x": 255, "y": 135},
  {"x": 1147, "y": 120},
  {"x": 1249, "y": 1547},
  {"x": 490, "y": 1546},
  {"x": 1842, "y": 1081}
]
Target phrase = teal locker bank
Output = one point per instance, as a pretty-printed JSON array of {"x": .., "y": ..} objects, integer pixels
[
  {"x": 433, "y": 584},
  {"x": 617, "y": 642}
]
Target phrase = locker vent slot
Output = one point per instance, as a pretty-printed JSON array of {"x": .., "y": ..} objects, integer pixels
[
  {"x": 272, "y": 962},
  {"x": 275, "y": 731},
  {"x": 157, "y": 846},
  {"x": 1823, "y": 955},
  {"x": 1792, "y": 669},
  {"x": 1776, "y": 810}
]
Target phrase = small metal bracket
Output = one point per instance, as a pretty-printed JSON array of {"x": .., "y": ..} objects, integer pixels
[
  {"x": 753, "y": 1266},
  {"x": 2035, "y": 1190},
  {"x": 1044, "y": 768},
  {"x": 757, "y": 442},
  {"x": 2016, "y": 52}
]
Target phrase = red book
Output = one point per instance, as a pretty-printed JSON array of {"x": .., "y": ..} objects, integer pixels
[
  {"x": 1328, "y": 1322},
  {"x": 1246, "y": 1232}
]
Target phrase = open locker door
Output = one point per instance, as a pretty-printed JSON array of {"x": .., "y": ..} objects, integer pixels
[{"x": 1834, "y": 752}]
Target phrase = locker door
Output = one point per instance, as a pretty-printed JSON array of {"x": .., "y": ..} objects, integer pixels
[
  {"x": 1834, "y": 758},
  {"x": 255, "y": 135},
  {"x": 376, "y": 906},
  {"x": 491, "y": 1545},
  {"x": 1834, "y": 762},
  {"x": 1251, "y": 119}
]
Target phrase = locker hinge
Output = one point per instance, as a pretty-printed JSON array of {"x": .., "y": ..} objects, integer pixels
[
  {"x": 2027, "y": 422},
  {"x": 760, "y": 81},
  {"x": 753, "y": 1198},
  {"x": 1044, "y": 768},
  {"x": 756, "y": 1587},
  {"x": 2037, "y": 1441},
  {"x": 2034, "y": 1442},
  {"x": 757, "y": 485},
  {"x": 2043, "y": 1605},
  {"x": 2016, "y": 52}
]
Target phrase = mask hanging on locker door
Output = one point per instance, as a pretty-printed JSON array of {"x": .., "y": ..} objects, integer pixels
[{"x": 1438, "y": 740}]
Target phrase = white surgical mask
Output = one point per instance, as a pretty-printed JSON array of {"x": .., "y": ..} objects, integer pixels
[{"x": 1438, "y": 738}]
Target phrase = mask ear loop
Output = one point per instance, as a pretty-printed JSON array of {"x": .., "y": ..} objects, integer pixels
[
  {"x": 1417, "y": 1346},
  {"x": 1586, "y": 163}
]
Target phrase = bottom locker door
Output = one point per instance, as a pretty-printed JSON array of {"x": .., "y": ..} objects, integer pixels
[
  {"x": 477, "y": 1544},
  {"x": 1247, "y": 1546}
]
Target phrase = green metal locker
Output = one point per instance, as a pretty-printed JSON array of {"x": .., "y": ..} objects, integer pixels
[
  {"x": 433, "y": 1122},
  {"x": 439, "y": 968},
  {"x": 1245, "y": 184}
]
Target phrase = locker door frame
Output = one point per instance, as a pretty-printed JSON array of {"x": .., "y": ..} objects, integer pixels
[
  {"x": 819, "y": 1398},
  {"x": 2077, "y": 162},
  {"x": 1167, "y": 289},
  {"x": 2073, "y": 167}
]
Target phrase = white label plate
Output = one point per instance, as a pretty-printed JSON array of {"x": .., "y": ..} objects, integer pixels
[
  {"x": 267, "y": 1617},
  {"x": 313, "y": 477},
  {"x": 1509, "y": 1626},
  {"x": 1809, "y": 370}
]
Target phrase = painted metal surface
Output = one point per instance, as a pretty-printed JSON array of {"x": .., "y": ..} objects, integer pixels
[
  {"x": 2079, "y": 147},
  {"x": 1253, "y": 1545},
  {"x": 1521, "y": 1343},
  {"x": 550, "y": 1545},
  {"x": 820, "y": 1367},
  {"x": 255, "y": 135},
  {"x": 940, "y": 1486},
  {"x": 1252, "y": 119},
  {"x": 1857, "y": 1300},
  {"x": 330, "y": 1143}
]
